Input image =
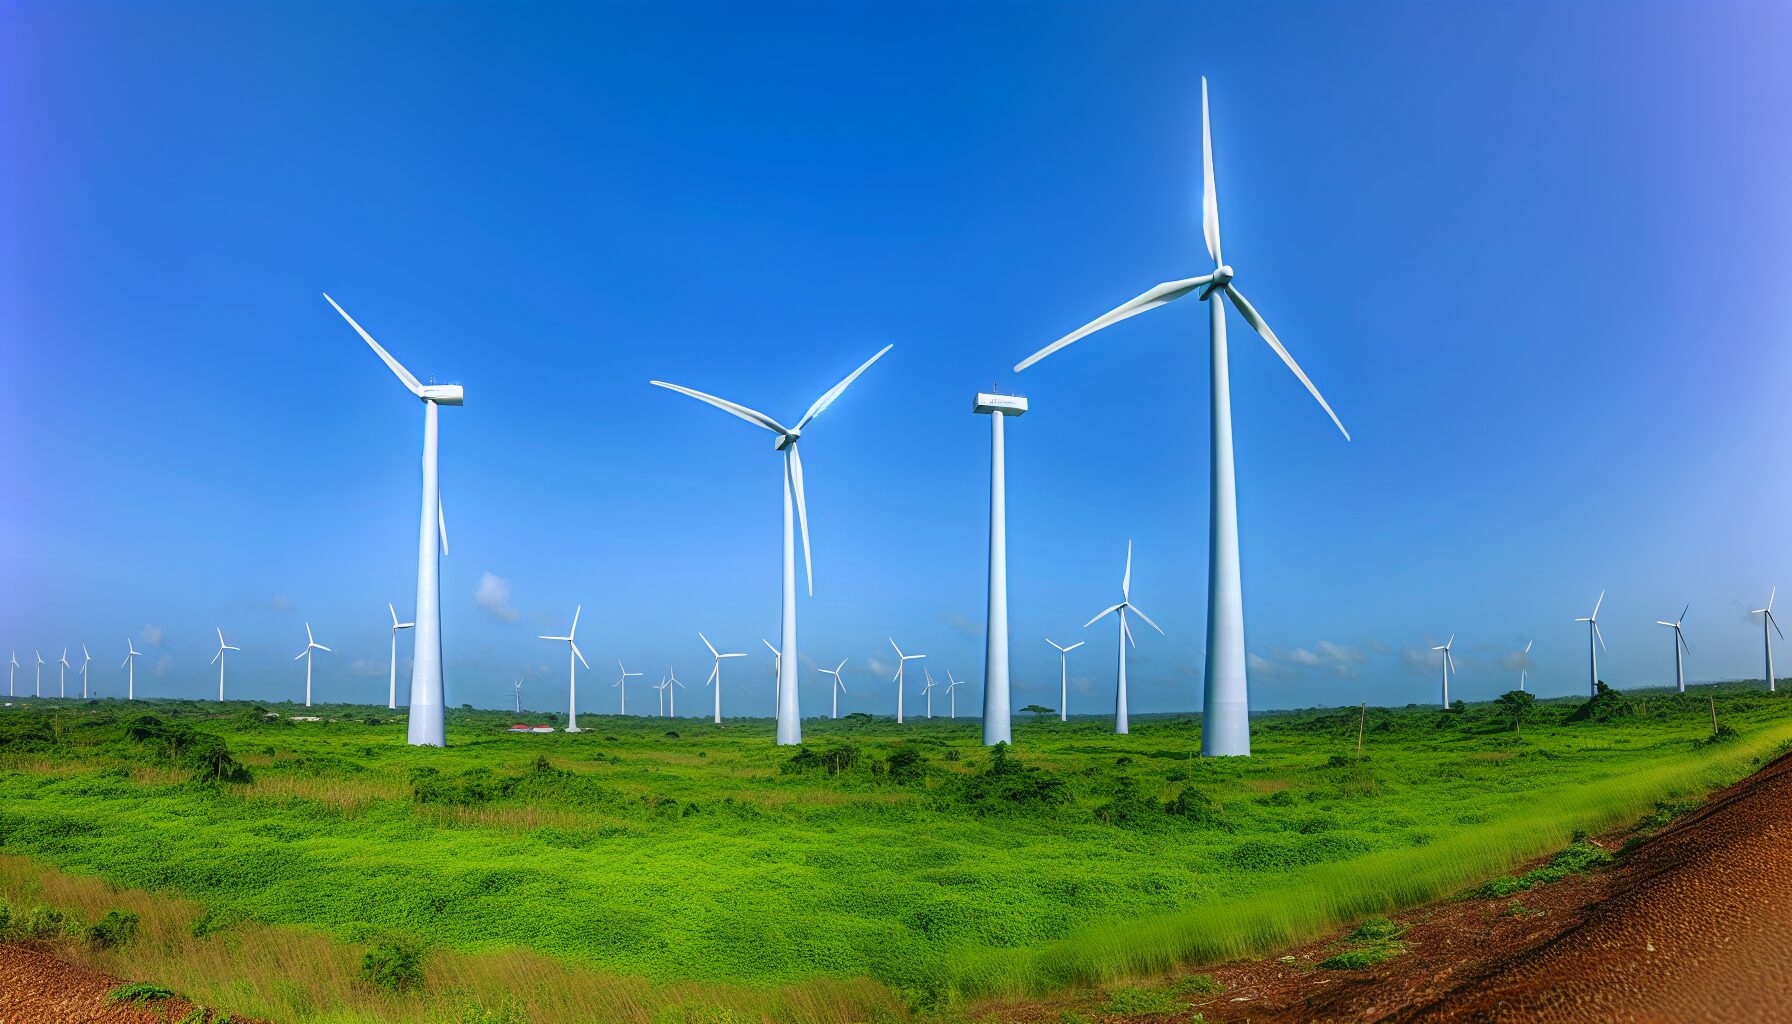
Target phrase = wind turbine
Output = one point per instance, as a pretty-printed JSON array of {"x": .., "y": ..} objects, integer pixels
[
  {"x": 218, "y": 659},
  {"x": 392, "y": 684},
  {"x": 130, "y": 667},
  {"x": 518, "y": 687},
  {"x": 427, "y": 724},
  {"x": 572, "y": 670},
  {"x": 902, "y": 661},
  {"x": 1679, "y": 649},
  {"x": 1064, "y": 676},
  {"x": 997, "y": 720},
  {"x": 790, "y": 725},
  {"x": 1524, "y": 665},
  {"x": 11, "y": 671},
  {"x": 662, "y": 689},
  {"x": 621, "y": 685},
  {"x": 311, "y": 644},
  {"x": 1593, "y": 635},
  {"x": 952, "y": 686},
  {"x": 1226, "y": 727},
  {"x": 927, "y": 689},
  {"x": 1449, "y": 666},
  {"x": 777, "y": 675},
  {"x": 672, "y": 688},
  {"x": 1767, "y": 620},
  {"x": 38, "y": 682},
  {"x": 839, "y": 686},
  {"x": 86, "y": 659},
  {"x": 715, "y": 673},
  {"x": 62, "y": 668},
  {"x": 1125, "y": 605}
]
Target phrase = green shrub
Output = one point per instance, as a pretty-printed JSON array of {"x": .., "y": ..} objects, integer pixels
[
  {"x": 1577, "y": 857},
  {"x": 43, "y": 923},
  {"x": 1357, "y": 959},
  {"x": 1005, "y": 786},
  {"x": 1376, "y": 929},
  {"x": 393, "y": 963},
  {"x": 1133, "y": 1001},
  {"x": 139, "y": 992},
  {"x": 117, "y": 928},
  {"x": 1198, "y": 985}
]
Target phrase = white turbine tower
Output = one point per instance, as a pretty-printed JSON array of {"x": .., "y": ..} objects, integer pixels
[
  {"x": 672, "y": 688},
  {"x": 838, "y": 688},
  {"x": 63, "y": 666},
  {"x": 218, "y": 659},
  {"x": 790, "y": 725},
  {"x": 621, "y": 685},
  {"x": 1449, "y": 664},
  {"x": 38, "y": 683},
  {"x": 1225, "y": 714},
  {"x": 1064, "y": 676},
  {"x": 86, "y": 659},
  {"x": 311, "y": 645},
  {"x": 427, "y": 723},
  {"x": 1768, "y": 621},
  {"x": 927, "y": 689},
  {"x": 997, "y": 718},
  {"x": 392, "y": 679},
  {"x": 715, "y": 673},
  {"x": 952, "y": 685},
  {"x": 12, "y": 670},
  {"x": 902, "y": 661},
  {"x": 518, "y": 687},
  {"x": 1680, "y": 648},
  {"x": 661, "y": 687},
  {"x": 1524, "y": 663},
  {"x": 572, "y": 670},
  {"x": 1595, "y": 641},
  {"x": 130, "y": 667},
  {"x": 1121, "y": 724},
  {"x": 777, "y": 674}
]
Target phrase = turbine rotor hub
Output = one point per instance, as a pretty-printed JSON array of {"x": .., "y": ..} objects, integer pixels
[
  {"x": 787, "y": 439},
  {"x": 1222, "y": 276}
]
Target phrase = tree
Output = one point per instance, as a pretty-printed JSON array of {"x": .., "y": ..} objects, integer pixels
[
  {"x": 1039, "y": 709},
  {"x": 1518, "y": 704}
]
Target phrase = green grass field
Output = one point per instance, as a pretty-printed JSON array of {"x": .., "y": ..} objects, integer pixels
[{"x": 653, "y": 868}]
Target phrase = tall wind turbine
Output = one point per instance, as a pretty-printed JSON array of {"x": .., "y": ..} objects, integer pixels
[
  {"x": 392, "y": 680},
  {"x": 518, "y": 688},
  {"x": 1226, "y": 727},
  {"x": 311, "y": 645},
  {"x": 1767, "y": 620},
  {"x": 997, "y": 720},
  {"x": 1680, "y": 649},
  {"x": 38, "y": 683},
  {"x": 427, "y": 723},
  {"x": 927, "y": 689},
  {"x": 12, "y": 670},
  {"x": 1125, "y": 605},
  {"x": 1064, "y": 676},
  {"x": 838, "y": 688},
  {"x": 672, "y": 688},
  {"x": 63, "y": 666},
  {"x": 1595, "y": 640},
  {"x": 218, "y": 659},
  {"x": 1524, "y": 665},
  {"x": 1449, "y": 664},
  {"x": 621, "y": 685},
  {"x": 902, "y": 661},
  {"x": 715, "y": 673},
  {"x": 130, "y": 667},
  {"x": 952, "y": 685},
  {"x": 790, "y": 725},
  {"x": 572, "y": 670},
  {"x": 86, "y": 659}
]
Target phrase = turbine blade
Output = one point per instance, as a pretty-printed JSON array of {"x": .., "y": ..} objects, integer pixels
[
  {"x": 1596, "y": 605},
  {"x": 802, "y": 510},
  {"x": 1776, "y": 625},
  {"x": 822, "y": 403},
  {"x": 1210, "y": 200},
  {"x": 706, "y": 643},
  {"x": 1169, "y": 291},
  {"x": 442, "y": 524},
  {"x": 1105, "y": 613},
  {"x": 1251, "y": 316},
  {"x": 1126, "y": 631},
  {"x": 1601, "y": 638},
  {"x": 580, "y": 655},
  {"x": 1074, "y": 646},
  {"x": 715, "y": 671},
  {"x": 1126, "y": 580},
  {"x": 216, "y": 656},
  {"x": 752, "y": 416},
  {"x": 1136, "y": 610},
  {"x": 769, "y": 647},
  {"x": 405, "y": 376},
  {"x": 394, "y": 612},
  {"x": 899, "y": 653},
  {"x": 321, "y": 647}
]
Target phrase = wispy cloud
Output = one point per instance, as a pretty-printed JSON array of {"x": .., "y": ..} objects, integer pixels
[
  {"x": 963, "y": 623},
  {"x": 164, "y": 665},
  {"x": 152, "y": 636},
  {"x": 493, "y": 595}
]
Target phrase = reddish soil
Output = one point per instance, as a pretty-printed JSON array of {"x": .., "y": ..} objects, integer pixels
[{"x": 36, "y": 987}]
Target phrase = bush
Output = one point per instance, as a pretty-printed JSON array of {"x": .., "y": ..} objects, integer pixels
[
  {"x": 43, "y": 923},
  {"x": 1199, "y": 985},
  {"x": 1129, "y": 807},
  {"x": 139, "y": 992},
  {"x": 1134, "y": 1001},
  {"x": 1579, "y": 856},
  {"x": 906, "y": 765},
  {"x": 393, "y": 963},
  {"x": 1005, "y": 786},
  {"x": 112, "y": 931}
]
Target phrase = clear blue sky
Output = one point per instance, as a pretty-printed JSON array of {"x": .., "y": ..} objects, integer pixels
[{"x": 1535, "y": 255}]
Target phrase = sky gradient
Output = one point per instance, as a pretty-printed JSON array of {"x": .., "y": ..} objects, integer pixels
[{"x": 1533, "y": 255}]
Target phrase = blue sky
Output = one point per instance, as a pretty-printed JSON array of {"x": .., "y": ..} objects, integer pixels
[{"x": 1533, "y": 254}]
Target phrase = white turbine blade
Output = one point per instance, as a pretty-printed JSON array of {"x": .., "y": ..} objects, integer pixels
[
  {"x": 1126, "y": 631},
  {"x": 839, "y": 667},
  {"x": 321, "y": 647},
  {"x": 899, "y": 653},
  {"x": 220, "y": 637},
  {"x": 1527, "y": 646},
  {"x": 1210, "y": 200},
  {"x": 301, "y": 654},
  {"x": 706, "y": 643},
  {"x": 308, "y": 637},
  {"x": 769, "y": 647},
  {"x": 1600, "y": 637},
  {"x": 574, "y": 631},
  {"x": 1126, "y": 580},
  {"x": 1136, "y": 610},
  {"x": 1452, "y": 660},
  {"x": 405, "y": 376},
  {"x": 1770, "y": 596},
  {"x": 1252, "y": 317},
  {"x": 1776, "y": 625},
  {"x": 442, "y": 525},
  {"x": 216, "y": 656},
  {"x": 1596, "y": 605},
  {"x": 580, "y": 655},
  {"x": 540, "y": 636},
  {"x": 734, "y": 655},
  {"x": 1054, "y": 644},
  {"x": 394, "y": 612},
  {"x": 1682, "y": 638},
  {"x": 1683, "y": 612},
  {"x": 1670, "y": 625},
  {"x": 822, "y": 403},
  {"x": 1074, "y": 646},
  {"x": 715, "y": 670},
  {"x": 1105, "y": 613},
  {"x": 802, "y": 510},
  {"x": 752, "y": 416},
  {"x": 1169, "y": 291},
  {"x": 230, "y": 648}
]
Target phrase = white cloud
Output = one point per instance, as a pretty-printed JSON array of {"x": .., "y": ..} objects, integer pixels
[
  {"x": 152, "y": 635},
  {"x": 493, "y": 595},
  {"x": 963, "y": 623},
  {"x": 164, "y": 664},
  {"x": 370, "y": 667}
]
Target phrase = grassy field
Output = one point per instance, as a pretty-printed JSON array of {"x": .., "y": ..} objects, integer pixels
[{"x": 654, "y": 869}]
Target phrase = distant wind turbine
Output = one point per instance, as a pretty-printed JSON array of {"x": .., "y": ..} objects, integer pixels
[
  {"x": 902, "y": 661},
  {"x": 715, "y": 673},
  {"x": 1680, "y": 649},
  {"x": 1449, "y": 664},
  {"x": 218, "y": 659},
  {"x": 927, "y": 689},
  {"x": 39, "y": 679},
  {"x": 62, "y": 668},
  {"x": 1593, "y": 637},
  {"x": 11, "y": 670},
  {"x": 1226, "y": 727},
  {"x": 1121, "y": 723},
  {"x": 86, "y": 659},
  {"x": 952, "y": 685},
  {"x": 392, "y": 679},
  {"x": 777, "y": 675},
  {"x": 130, "y": 667},
  {"x": 838, "y": 688},
  {"x": 1767, "y": 620},
  {"x": 621, "y": 685},
  {"x": 661, "y": 687},
  {"x": 1524, "y": 663},
  {"x": 790, "y": 725},
  {"x": 311, "y": 645},
  {"x": 427, "y": 722},
  {"x": 1064, "y": 676},
  {"x": 518, "y": 688},
  {"x": 672, "y": 688},
  {"x": 572, "y": 670}
]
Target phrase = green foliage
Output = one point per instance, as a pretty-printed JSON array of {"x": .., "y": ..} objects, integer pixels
[
  {"x": 1005, "y": 786},
  {"x": 1135, "y": 1001},
  {"x": 117, "y": 928},
  {"x": 1038, "y": 709},
  {"x": 1579, "y": 857},
  {"x": 139, "y": 992},
  {"x": 1198, "y": 985},
  {"x": 1724, "y": 733},
  {"x": 393, "y": 963},
  {"x": 43, "y": 923},
  {"x": 510, "y": 1011},
  {"x": 1605, "y": 705},
  {"x": 1374, "y": 941},
  {"x": 1517, "y": 705}
]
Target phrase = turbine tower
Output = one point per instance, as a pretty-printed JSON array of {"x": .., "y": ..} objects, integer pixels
[
  {"x": 661, "y": 687},
  {"x": 715, "y": 673},
  {"x": 621, "y": 685},
  {"x": 838, "y": 688},
  {"x": 1524, "y": 663},
  {"x": 311, "y": 645},
  {"x": 1064, "y": 676},
  {"x": 952, "y": 685},
  {"x": 1449, "y": 664},
  {"x": 218, "y": 659},
  {"x": 427, "y": 723},
  {"x": 790, "y": 725},
  {"x": 997, "y": 718},
  {"x": 38, "y": 682},
  {"x": 572, "y": 670},
  {"x": 86, "y": 659},
  {"x": 902, "y": 661},
  {"x": 12, "y": 670},
  {"x": 672, "y": 693},
  {"x": 130, "y": 667},
  {"x": 518, "y": 687},
  {"x": 392, "y": 679},
  {"x": 1225, "y": 713},
  {"x": 1125, "y": 605},
  {"x": 927, "y": 689},
  {"x": 1594, "y": 637},
  {"x": 63, "y": 666},
  {"x": 1680, "y": 649},
  {"x": 1767, "y": 620}
]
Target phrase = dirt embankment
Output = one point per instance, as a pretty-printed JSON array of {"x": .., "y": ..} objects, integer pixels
[{"x": 36, "y": 987}]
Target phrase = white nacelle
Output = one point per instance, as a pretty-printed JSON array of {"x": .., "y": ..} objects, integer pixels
[
  {"x": 443, "y": 394},
  {"x": 1007, "y": 405}
]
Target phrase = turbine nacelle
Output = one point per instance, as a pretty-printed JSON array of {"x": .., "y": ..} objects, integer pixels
[
  {"x": 443, "y": 394},
  {"x": 1222, "y": 276},
  {"x": 785, "y": 440}
]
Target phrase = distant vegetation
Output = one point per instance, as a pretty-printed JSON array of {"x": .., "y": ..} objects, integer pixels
[{"x": 326, "y": 871}]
